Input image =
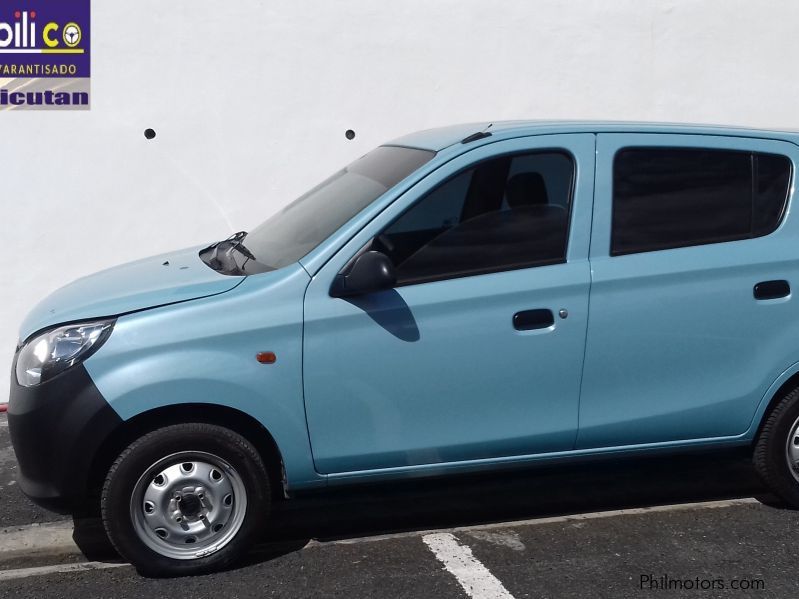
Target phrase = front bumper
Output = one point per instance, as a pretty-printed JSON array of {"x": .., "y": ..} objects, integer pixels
[{"x": 57, "y": 429}]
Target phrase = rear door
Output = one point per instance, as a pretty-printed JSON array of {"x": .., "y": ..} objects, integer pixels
[{"x": 693, "y": 273}]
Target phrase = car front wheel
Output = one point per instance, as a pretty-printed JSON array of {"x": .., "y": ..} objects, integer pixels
[{"x": 185, "y": 499}]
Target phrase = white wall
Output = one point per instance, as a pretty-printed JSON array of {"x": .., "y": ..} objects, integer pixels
[{"x": 250, "y": 101}]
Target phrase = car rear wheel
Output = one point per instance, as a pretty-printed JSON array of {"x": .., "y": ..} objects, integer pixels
[
  {"x": 185, "y": 499},
  {"x": 776, "y": 455}
]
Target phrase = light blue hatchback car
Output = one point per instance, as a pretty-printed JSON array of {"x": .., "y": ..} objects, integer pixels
[{"x": 458, "y": 299}]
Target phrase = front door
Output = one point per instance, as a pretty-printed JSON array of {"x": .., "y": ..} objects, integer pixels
[{"x": 478, "y": 351}]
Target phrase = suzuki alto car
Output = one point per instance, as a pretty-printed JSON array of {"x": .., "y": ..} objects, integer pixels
[{"x": 459, "y": 299}]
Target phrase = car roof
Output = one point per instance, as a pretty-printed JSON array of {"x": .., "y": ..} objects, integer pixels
[{"x": 442, "y": 137}]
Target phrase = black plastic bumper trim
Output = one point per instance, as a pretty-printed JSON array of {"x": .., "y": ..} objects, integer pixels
[{"x": 56, "y": 430}]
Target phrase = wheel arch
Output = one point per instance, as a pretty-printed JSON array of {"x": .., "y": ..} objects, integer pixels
[
  {"x": 788, "y": 381},
  {"x": 145, "y": 422}
]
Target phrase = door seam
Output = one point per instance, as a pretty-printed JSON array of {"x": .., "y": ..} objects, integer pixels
[{"x": 590, "y": 289}]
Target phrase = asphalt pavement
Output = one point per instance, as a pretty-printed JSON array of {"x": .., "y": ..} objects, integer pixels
[
  {"x": 665, "y": 527},
  {"x": 15, "y": 508}
]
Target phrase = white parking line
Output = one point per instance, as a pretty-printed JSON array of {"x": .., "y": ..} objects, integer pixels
[
  {"x": 471, "y": 574},
  {"x": 61, "y": 569}
]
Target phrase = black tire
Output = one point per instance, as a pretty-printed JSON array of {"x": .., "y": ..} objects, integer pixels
[
  {"x": 142, "y": 454},
  {"x": 770, "y": 456},
  {"x": 771, "y": 500},
  {"x": 91, "y": 538}
]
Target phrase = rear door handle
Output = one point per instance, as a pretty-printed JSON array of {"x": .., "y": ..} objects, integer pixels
[
  {"x": 533, "y": 319},
  {"x": 767, "y": 290}
]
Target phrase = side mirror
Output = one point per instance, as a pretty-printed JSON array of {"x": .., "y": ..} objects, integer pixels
[{"x": 371, "y": 271}]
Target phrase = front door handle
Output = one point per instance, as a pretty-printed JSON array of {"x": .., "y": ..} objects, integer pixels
[
  {"x": 533, "y": 319},
  {"x": 767, "y": 290}
]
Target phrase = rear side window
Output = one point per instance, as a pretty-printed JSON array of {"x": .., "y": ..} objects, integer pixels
[{"x": 667, "y": 198}]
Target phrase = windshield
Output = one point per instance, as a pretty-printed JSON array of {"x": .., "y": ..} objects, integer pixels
[{"x": 298, "y": 228}]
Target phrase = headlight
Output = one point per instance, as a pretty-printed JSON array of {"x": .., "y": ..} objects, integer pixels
[{"x": 44, "y": 356}]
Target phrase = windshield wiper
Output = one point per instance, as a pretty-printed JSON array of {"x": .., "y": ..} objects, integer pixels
[
  {"x": 237, "y": 243},
  {"x": 218, "y": 255}
]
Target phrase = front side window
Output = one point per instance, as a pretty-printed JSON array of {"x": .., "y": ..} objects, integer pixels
[
  {"x": 505, "y": 213},
  {"x": 667, "y": 198}
]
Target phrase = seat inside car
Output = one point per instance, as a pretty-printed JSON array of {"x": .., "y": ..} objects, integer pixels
[
  {"x": 530, "y": 231},
  {"x": 526, "y": 189}
]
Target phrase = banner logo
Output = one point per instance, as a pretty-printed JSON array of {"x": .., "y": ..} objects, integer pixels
[{"x": 44, "y": 55}]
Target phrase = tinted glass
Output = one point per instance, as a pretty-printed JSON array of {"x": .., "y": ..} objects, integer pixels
[
  {"x": 675, "y": 197},
  {"x": 505, "y": 213},
  {"x": 772, "y": 175},
  {"x": 298, "y": 228}
]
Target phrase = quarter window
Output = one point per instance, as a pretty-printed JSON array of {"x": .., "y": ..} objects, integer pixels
[
  {"x": 676, "y": 197},
  {"x": 505, "y": 213}
]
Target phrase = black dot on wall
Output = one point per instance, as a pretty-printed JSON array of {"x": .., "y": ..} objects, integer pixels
[
  {"x": 149, "y": 133},
  {"x": 349, "y": 134}
]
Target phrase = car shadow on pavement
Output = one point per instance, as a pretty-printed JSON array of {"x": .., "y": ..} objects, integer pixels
[{"x": 544, "y": 491}]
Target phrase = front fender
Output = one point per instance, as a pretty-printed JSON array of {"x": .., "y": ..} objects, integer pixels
[{"x": 204, "y": 351}]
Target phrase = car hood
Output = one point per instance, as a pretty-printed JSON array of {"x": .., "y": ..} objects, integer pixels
[{"x": 156, "y": 281}]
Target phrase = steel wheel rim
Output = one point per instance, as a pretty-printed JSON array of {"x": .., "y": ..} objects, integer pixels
[
  {"x": 792, "y": 450},
  {"x": 188, "y": 505}
]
